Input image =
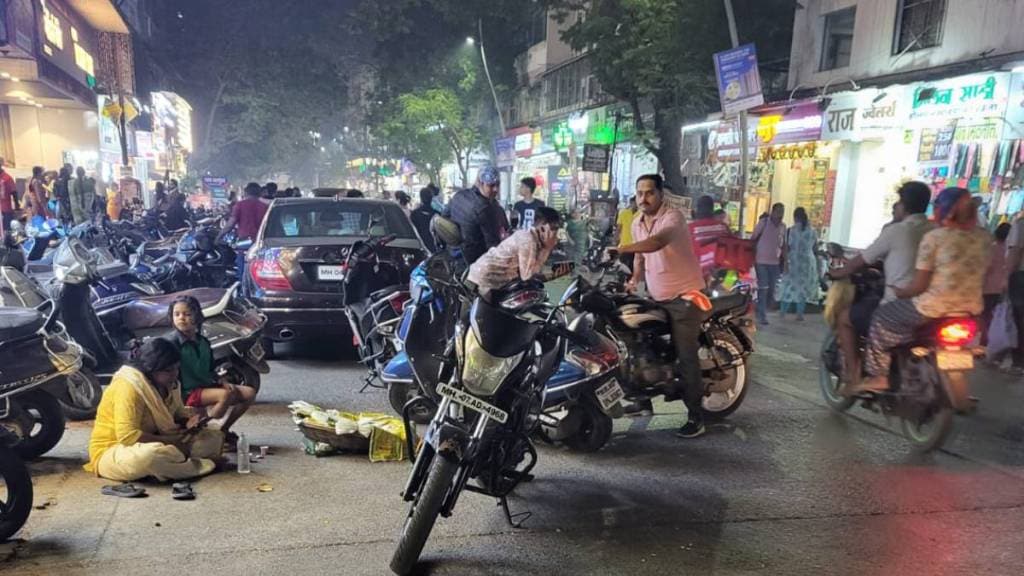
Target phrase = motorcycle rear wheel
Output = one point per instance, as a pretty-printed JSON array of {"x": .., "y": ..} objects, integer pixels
[
  {"x": 85, "y": 392},
  {"x": 16, "y": 491},
  {"x": 721, "y": 405},
  {"x": 828, "y": 361},
  {"x": 594, "y": 430},
  {"x": 422, "y": 515},
  {"x": 44, "y": 423},
  {"x": 932, "y": 432}
]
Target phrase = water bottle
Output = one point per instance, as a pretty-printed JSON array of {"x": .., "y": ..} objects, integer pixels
[{"x": 244, "y": 467}]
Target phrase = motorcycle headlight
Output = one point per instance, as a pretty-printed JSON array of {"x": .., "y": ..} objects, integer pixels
[{"x": 483, "y": 373}]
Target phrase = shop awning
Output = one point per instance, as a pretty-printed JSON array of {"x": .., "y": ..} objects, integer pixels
[{"x": 101, "y": 15}]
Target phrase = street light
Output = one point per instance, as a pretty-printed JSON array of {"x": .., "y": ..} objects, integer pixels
[{"x": 470, "y": 40}]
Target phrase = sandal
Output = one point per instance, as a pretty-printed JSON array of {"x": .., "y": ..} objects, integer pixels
[
  {"x": 182, "y": 491},
  {"x": 124, "y": 491}
]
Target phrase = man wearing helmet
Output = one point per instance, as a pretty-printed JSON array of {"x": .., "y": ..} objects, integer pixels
[{"x": 481, "y": 220}]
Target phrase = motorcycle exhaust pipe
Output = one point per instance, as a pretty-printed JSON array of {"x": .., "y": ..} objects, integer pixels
[{"x": 286, "y": 334}]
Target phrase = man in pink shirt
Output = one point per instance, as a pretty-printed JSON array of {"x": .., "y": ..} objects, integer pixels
[
  {"x": 666, "y": 261},
  {"x": 769, "y": 235}
]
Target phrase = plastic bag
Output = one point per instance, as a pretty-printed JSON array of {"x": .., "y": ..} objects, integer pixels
[
  {"x": 840, "y": 296},
  {"x": 1002, "y": 331},
  {"x": 387, "y": 441}
]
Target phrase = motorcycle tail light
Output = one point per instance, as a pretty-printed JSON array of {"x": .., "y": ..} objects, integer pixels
[
  {"x": 398, "y": 303},
  {"x": 268, "y": 275},
  {"x": 957, "y": 332}
]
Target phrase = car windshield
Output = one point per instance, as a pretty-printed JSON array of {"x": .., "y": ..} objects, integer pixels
[{"x": 311, "y": 220}]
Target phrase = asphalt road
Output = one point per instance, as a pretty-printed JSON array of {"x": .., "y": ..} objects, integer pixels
[{"x": 785, "y": 487}]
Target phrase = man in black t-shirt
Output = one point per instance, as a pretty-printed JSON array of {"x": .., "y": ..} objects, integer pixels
[{"x": 526, "y": 207}]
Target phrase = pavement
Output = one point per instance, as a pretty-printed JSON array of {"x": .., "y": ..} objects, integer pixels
[{"x": 783, "y": 487}]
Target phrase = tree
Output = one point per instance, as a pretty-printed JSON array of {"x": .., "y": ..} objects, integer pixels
[
  {"x": 256, "y": 96},
  {"x": 657, "y": 55}
]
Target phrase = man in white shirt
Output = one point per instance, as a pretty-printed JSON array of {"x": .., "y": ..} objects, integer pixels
[{"x": 896, "y": 247}]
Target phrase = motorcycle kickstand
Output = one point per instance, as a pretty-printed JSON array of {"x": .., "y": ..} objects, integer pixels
[
  {"x": 514, "y": 520},
  {"x": 368, "y": 382}
]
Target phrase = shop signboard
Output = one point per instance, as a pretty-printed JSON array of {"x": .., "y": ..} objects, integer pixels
[
  {"x": 863, "y": 114},
  {"x": 936, "y": 143},
  {"x": 595, "y": 157},
  {"x": 788, "y": 124},
  {"x": 559, "y": 185},
  {"x": 505, "y": 151},
  {"x": 217, "y": 187},
  {"x": 973, "y": 96},
  {"x": 739, "y": 81}
]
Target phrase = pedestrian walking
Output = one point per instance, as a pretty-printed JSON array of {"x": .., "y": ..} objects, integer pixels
[
  {"x": 527, "y": 207},
  {"x": 35, "y": 198},
  {"x": 800, "y": 280},
  {"x": 81, "y": 192},
  {"x": 995, "y": 278},
  {"x": 115, "y": 202},
  {"x": 62, "y": 194},
  {"x": 624, "y": 224},
  {"x": 8, "y": 198},
  {"x": 422, "y": 216},
  {"x": 769, "y": 236}
]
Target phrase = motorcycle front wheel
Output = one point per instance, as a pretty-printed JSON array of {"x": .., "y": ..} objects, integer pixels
[
  {"x": 40, "y": 422},
  {"x": 15, "y": 493},
  {"x": 85, "y": 392},
  {"x": 423, "y": 514}
]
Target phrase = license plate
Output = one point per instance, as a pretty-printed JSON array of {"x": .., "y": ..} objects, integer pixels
[
  {"x": 473, "y": 403},
  {"x": 256, "y": 352},
  {"x": 955, "y": 360},
  {"x": 609, "y": 395},
  {"x": 330, "y": 273}
]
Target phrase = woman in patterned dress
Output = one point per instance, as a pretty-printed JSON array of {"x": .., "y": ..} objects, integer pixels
[{"x": 800, "y": 282}]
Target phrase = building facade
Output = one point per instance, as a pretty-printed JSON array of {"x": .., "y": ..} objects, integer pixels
[
  {"x": 558, "y": 110},
  {"x": 882, "y": 92},
  {"x": 56, "y": 56}
]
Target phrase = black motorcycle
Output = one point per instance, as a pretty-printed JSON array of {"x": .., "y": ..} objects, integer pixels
[
  {"x": 928, "y": 376},
  {"x": 35, "y": 353},
  {"x": 373, "y": 312},
  {"x": 510, "y": 345},
  {"x": 641, "y": 329}
]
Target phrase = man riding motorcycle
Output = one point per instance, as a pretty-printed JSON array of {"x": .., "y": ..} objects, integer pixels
[
  {"x": 897, "y": 247},
  {"x": 948, "y": 279},
  {"x": 666, "y": 260}
]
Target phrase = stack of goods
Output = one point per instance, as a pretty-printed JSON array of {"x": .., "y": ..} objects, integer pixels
[{"x": 332, "y": 431}]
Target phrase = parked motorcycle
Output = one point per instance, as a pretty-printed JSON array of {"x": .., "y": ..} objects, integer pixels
[
  {"x": 641, "y": 331},
  {"x": 373, "y": 315},
  {"x": 581, "y": 397},
  {"x": 34, "y": 352},
  {"x": 928, "y": 382},
  {"x": 80, "y": 394},
  {"x": 15, "y": 486},
  {"x": 232, "y": 324},
  {"x": 511, "y": 345}
]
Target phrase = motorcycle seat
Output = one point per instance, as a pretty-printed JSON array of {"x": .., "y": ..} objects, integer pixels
[
  {"x": 151, "y": 312},
  {"x": 19, "y": 322},
  {"x": 378, "y": 294},
  {"x": 728, "y": 302}
]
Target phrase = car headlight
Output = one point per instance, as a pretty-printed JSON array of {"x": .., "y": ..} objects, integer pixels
[{"x": 483, "y": 373}]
